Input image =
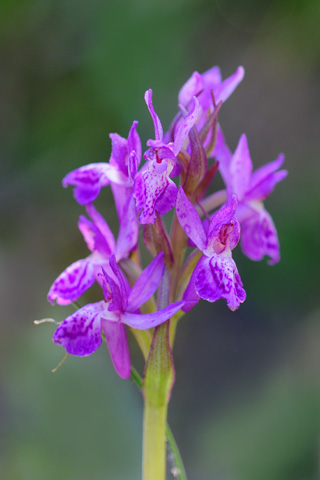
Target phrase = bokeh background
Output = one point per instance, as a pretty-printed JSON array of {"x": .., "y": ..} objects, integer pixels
[{"x": 246, "y": 401}]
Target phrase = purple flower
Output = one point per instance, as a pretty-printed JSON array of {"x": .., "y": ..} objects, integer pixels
[
  {"x": 207, "y": 83},
  {"x": 258, "y": 233},
  {"x": 154, "y": 190},
  {"x": 126, "y": 157},
  {"x": 120, "y": 172},
  {"x": 80, "y": 275},
  {"x": 216, "y": 275},
  {"x": 80, "y": 333}
]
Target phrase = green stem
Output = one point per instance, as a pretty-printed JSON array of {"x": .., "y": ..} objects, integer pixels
[
  {"x": 180, "y": 473},
  {"x": 154, "y": 445},
  {"x": 157, "y": 384}
]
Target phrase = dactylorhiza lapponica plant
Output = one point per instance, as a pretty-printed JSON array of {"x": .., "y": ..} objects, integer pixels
[{"x": 191, "y": 261}]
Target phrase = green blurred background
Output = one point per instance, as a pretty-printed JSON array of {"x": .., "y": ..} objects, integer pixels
[{"x": 246, "y": 401}]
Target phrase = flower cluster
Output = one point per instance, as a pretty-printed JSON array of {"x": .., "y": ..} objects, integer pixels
[{"x": 179, "y": 168}]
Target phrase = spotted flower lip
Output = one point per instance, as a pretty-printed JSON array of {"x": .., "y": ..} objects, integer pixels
[
  {"x": 216, "y": 275},
  {"x": 154, "y": 190},
  {"x": 258, "y": 235},
  {"x": 81, "y": 275},
  {"x": 80, "y": 333},
  {"x": 119, "y": 172}
]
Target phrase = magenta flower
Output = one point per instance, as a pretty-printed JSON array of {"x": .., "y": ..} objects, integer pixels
[
  {"x": 80, "y": 333},
  {"x": 80, "y": 275},
  {"x": 216, "y": 275},
  {"x": 258, "y": 233},
  {"x": 207, "y": 83},
  {"x": 154, "y": 190},
  {"x": 120, "y": 172}
]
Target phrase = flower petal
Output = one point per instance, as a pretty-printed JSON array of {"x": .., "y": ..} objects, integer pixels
[
  {"x": 134, "y": 143},
  {"x": 129, "y": 231},
  {"x": 133, "y": 165},
  {"x": 80, "y": 333},
  {"x": 265, "y": 178},
  {"x": 87, "y": 229},
  {"x": 189, "y": 220},
  {"x": 149, "y": 320},
  {"x": 259, "y": 237},
  {"x": 224, "y": 215},
  {"x": 119, "y": 152},
  {"x": 89, "y": 180},
  {"x": 190, "y": 296},
  {"x": 111, "y": 291},
  {"x": 154, "y": 192},
  {"x": 224, "y": 229},
  {"x": 122, "y": 281},
  {"x": 116, "y": 338},
  {"x": 73, "y": 282},
  {"x": 218, "y": 277},
  {"x": 102, "y": 225},
  {"x": 223, "y": 155},
  {"x": 147, "y": 283},
  {"x": 212, "y": 77},
  {"x": 192, "y": 87},
  {"x": 240, "y": 168},
  {"x": 167, "y": 199},
  {"x": 93, "y": 237},
  {"x": 227, "y": 87},
  {"x": 158, "y": 131},
  {"x": 184, "y": 126}
]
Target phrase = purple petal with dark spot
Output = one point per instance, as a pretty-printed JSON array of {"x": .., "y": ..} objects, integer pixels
[
  {"x": 73, "y": 282},
  {"x": 154, "y": 192},
  {"x": 259, "y": 237},
  {"x": 218, "y": 277},
  {"x": 224, "y": 229},
  {"x": 80, "y": 333}
]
